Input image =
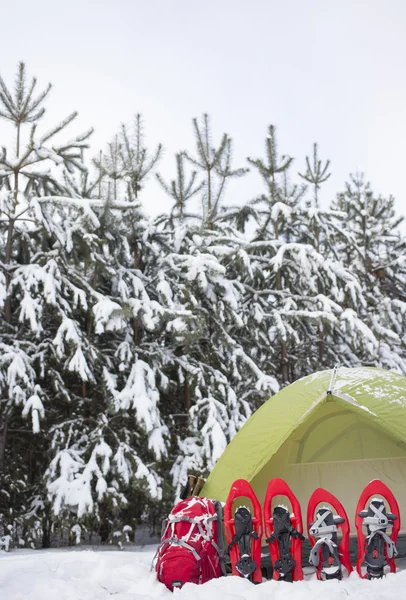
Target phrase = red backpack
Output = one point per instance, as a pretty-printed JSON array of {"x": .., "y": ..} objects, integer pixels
[{"x": 191, "y": 548}]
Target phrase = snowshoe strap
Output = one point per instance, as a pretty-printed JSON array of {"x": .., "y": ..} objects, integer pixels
[
  {"x": 243, "y": 526},
  {"x": 237, "y": 537},
  {"x": 284, "y": 525},
  {"x": 380, "y": 520},
  {"x": 314, "y": 557},
  {"x": 391, "y": 549},
  {"x": 319, "y": 527}
]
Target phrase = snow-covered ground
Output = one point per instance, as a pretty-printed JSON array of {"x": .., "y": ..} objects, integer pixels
[{"x": 114, "y": 575}]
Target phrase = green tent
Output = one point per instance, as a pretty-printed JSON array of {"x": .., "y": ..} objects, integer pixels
[{"x": 334, "y": 429}]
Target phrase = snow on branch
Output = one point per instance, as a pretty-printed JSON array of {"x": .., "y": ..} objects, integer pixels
[
  {"x": 36, "y": 408},
  {"x": 140, "y": 393}
]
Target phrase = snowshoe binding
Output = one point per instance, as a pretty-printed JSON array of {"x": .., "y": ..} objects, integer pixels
[
  {"x": 328, "y": 554},
  {"x": 243, "y": 532},
  {"x": 246, "y": 566},
  {"x": 284, "y": 533},
  {"x": 324, "y": 554},
  {"x": 378, "y": 545},
  {"x": 378, "y": 548}
]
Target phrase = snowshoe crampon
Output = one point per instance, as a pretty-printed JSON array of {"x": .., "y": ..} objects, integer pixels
[
  {"x": 377, "y": 548},
  {"x": 243, "y": 532},
  {"x": 284, "y": 532},
  {"x": 328, "y": 554}
]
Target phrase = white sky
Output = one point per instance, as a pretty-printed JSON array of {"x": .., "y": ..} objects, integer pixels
[{"x": 331, "y": 71}]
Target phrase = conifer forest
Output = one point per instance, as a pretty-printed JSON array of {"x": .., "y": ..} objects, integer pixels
[{"x": 133, "y": 348}]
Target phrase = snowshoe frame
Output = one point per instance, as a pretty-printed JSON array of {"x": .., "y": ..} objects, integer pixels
[
  {"x": 291, "y": 570},
  {"x": 376, "y": 488},
  {"x": 321, "y": 496},
  {"x": 241, "y": 488}
]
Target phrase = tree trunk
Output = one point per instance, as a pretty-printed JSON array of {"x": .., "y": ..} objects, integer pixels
[
  {"x": 9, "y": 252},
  {"x": 3, "y": 437},
  {"x": 136, "y": 332},
  {"x": 321, "y": 345},
  {"x": 46, "y": 533},
  {"x": 136, "y": 264},
  {"x": 284, "y": 363},
  {"x": 209, "y": 198},
  {"x": 100, "y": 173},
  {"x": 186, "y": 396}
]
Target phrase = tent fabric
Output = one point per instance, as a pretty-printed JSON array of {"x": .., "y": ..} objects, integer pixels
[{"x": 312, "y": 436}]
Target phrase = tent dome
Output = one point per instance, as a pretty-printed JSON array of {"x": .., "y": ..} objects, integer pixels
[{"x": 336, "y": 429}]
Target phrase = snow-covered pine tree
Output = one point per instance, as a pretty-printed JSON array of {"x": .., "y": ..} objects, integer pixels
[
  {"x": 107, "y": 460},
  {"x": 136, "y": 160},
  {"x": 225, "y": 383},
  {"x": 181, "y": 190},
  {"x": 372, "y": 246},
  {"x": 215, "y": 165},
  {"x": 27, "y": 170},
  {"x": 128, "y": 162},
  {"x": 213, "y": 380},
  {"x": 276, "y": 212},
  {"x": 296, "y": 287},
  {"x": 319, "y": 227},
  {"x": 72, "y": 294},
  {"x": 344, "y": 338},
  {"x": 316, "y": 174}
]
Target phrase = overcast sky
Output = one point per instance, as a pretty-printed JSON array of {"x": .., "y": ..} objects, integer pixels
[{"x": 331, "y": 71}]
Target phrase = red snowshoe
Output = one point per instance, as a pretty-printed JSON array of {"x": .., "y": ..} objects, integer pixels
[
  {"x": 284, "y": 532},
  {"x": 243, "y": 532},
  {"x": 377, "y": 549},
  {"x": 328, "y": 554}
]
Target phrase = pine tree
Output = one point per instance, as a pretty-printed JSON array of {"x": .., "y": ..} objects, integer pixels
[
  {"x": 298, "y": 284},
  {"x": 212, "y": 372},
  {"x": 372, "y": 247},
  {"x": 214, "y": 381},
  {"x": 316, "y": 174},
  {"x": 215, "y": 165},
  {"x": 316, "y": 231},
  {"x": 69, "y": 350},
  {"x": 275, "y": 211},
  {"x": 270, "y": 170},
  {"x": 136, "y": 161},
  {"x": 127, "y": 161},
  {"x": 181, "y": 190},
  {"x": 24, "y": 173}
]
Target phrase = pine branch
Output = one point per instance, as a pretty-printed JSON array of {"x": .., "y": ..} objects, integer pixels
[{"x": 52, "y": 132}]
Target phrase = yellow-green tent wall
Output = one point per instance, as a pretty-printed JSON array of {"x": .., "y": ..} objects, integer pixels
[{"x": 312, "y": 437}]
